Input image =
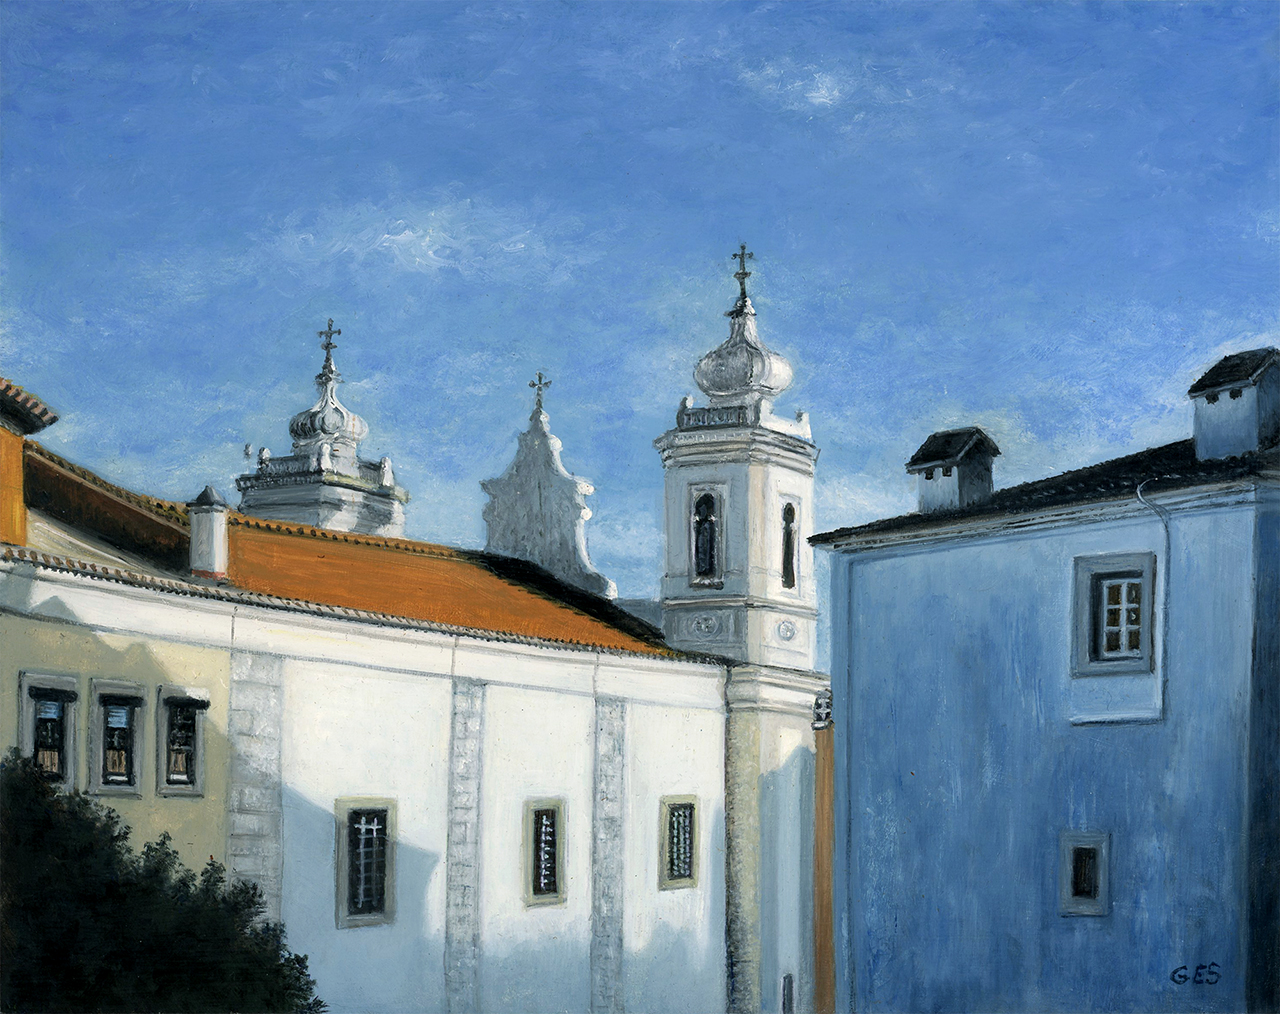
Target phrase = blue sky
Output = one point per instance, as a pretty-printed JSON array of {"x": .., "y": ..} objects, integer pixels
[{"x": 1042, "y": 219}]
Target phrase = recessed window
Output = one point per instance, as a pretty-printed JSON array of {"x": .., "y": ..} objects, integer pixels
[
  {"x": 118, "y": 740},
  {"x": 116, "y": 737},
  {"x": 946, "y": 470},
  {"x": 48, "y": 710},
  {"x": 788, "y": 994},
  {"x": 1083, "y": 878},
  {"x": 180, "y": 741},
  {"x": 365, "y": 861},
  {"x": 678, "y": 842},
  {"x": 1114, "y": 614},
  {"x": 1212, "y": 399},
  {"x": 705, "y": 563},
  {"x": 544, "y": 852},
  {"x": 1236, "y": 393},
  {"x": 789, "y": 546},
  {"x": 928, "y": 473}
]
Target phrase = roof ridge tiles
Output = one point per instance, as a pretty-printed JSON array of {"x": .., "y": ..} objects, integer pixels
[
  {"x": 19, "y": 554},
  {"x": 169, "y": 510}
]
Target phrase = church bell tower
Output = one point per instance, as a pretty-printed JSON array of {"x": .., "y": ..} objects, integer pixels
[{"x": 739, "y": 575}]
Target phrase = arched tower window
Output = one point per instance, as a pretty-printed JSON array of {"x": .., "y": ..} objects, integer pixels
[
  {"x": 788, "y": 546},
  {"x": 705, "y": 563}
]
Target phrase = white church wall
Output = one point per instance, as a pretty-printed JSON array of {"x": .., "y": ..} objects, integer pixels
[
  {"x": 674, "y": 938},
  {"x": 537, "y": 745},
  {"x": 352, "y": 733}
]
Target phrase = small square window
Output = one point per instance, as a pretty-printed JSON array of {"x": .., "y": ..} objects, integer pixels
[
  {"x": 47, "y": 712},
  {"x": 115, "y": 737},
  {"x": 1212, "y": 399},
  {"x": 1114, "y": 614},
  {"x": 365, "y": 865},
  {"x": 678, "y": 844},
  {"x": 1236, "y": 392},
  {"x": 544, "y": 852},
  {"x": 180, "y": 741},
  {"x": 928, "y": 473},
  {"x": 1083, "y": 878},
  {"x": 946, "y": 470}
]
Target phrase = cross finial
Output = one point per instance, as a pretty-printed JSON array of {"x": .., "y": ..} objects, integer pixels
[
  {"x": 327, "y": 334},
  {"x": 539, "y": 385},
  {"x": 742, "y": 274}
]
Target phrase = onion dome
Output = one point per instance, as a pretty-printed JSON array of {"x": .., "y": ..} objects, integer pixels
[
  {"x": 742, "y": 368},
  {"x": 328, "y": 420}
]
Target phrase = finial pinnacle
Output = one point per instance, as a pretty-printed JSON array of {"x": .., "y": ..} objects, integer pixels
[
  {"x": 539, "y": 385},
  {"x": 328, "y": 372},
  {"x": 742, "y": 274}
]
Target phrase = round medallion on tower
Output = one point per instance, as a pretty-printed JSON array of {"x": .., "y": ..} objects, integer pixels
[{"x": 742, "y": 368}]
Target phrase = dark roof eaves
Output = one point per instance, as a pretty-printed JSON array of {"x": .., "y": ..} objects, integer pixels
[{"x": 1006, "y": 502}]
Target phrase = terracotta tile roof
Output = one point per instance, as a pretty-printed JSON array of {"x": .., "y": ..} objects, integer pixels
[
  {"x": 419, "y": 581},
  {"x": 222, "y": 593},
  {"x": 423, "y": 581},
  {"x": 29, "y": 412},
  {"x": 1172, "y": 466}
]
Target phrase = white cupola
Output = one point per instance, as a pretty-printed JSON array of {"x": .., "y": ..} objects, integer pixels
[
  {"x": 325, "y": 482},
  {"x": 1237, "y": 404},
  {"x": 954, "y": 467}
]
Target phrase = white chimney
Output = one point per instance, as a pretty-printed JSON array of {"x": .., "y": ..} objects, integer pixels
[
  {"x": 1238, "y": 404},
  {"x": 208, "y": 516},
  {"x": 954, "y": 467}
]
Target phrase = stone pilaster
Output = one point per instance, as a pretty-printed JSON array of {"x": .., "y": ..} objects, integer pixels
[
  {"x": 255, "y": 849},
  {"x": 462, "y": 852},
  {"x": 607, "y": 876},
  {"x": 742, "y": 860}
]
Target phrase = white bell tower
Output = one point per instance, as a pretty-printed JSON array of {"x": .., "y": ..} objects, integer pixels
[
  {"x": 739, "y": 508},
  {"x": 739, "y": 583}
]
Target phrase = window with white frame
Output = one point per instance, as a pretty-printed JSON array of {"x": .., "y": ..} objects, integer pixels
[
  {"x": 116, "y": 737},
  {"x": 47, "y": 710},
  {"x": 678, "y": 842},
  {"x": 1084, "y": 882},
  {"x": 544, "y": 852},
  {"x": 180, "y": 741},
  {"x": 1114, "y": 614},
  {"x": 365, "y": 854}
]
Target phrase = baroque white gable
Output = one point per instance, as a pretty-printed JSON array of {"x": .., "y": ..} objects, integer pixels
[{"x": 537, "y": 510}]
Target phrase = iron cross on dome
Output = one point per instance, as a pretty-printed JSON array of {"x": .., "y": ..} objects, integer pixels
[
  {"x": 539, "y": 385},
  {"x": 742, "y": 274},
  {"x": 327, "y": 334}
]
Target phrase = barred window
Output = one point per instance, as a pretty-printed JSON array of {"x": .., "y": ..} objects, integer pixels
[
  {"x": 366, "y": 861},
  {"x": 180, "y": 765},
  {"x": 51, "y": 738},
  {"x": 118, "y": 726},
  {"x": 545, "y": 849},
  {"x": 679, "y": 842}
]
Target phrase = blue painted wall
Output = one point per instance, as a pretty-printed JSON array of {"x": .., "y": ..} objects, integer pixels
[{"x": 958, "y": 767}]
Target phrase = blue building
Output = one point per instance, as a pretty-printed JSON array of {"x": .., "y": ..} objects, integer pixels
[{"x": 1057, "y": 719}]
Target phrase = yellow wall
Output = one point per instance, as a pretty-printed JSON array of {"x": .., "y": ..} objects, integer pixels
[
  {"x": 13, "y": 510},
  {"x": 197, "y": 824}
]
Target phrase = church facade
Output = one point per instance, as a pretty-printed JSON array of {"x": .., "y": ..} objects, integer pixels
[{"x": 465, "y": 780}]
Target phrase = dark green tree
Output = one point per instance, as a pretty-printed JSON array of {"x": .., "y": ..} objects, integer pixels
[{"x": 88, "y": 924}]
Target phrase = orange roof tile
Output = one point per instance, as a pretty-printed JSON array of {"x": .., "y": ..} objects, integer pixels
[
  {"x": 25, "y": 408},
  {"x": 427, "y": 582}
]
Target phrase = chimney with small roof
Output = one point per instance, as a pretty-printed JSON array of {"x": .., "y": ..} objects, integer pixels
[
  {"x": 208, "y": 516},
  {"x": 1238, "y": 404},
  {"x": 954, "y": 467}
]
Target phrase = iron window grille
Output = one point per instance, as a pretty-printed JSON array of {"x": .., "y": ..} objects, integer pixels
[
  {"x": 365, "y": 861},
  {"x": 544, "y": 851},
  {"x": 678, "y": 842}
]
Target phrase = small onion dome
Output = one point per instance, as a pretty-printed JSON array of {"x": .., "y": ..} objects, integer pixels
[
  {"x": 742, "y": 365},
  {"x": 328, "y": 419}
]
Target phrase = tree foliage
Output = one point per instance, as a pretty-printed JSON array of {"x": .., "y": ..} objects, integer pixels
[{"x": 88, "y": 924}]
